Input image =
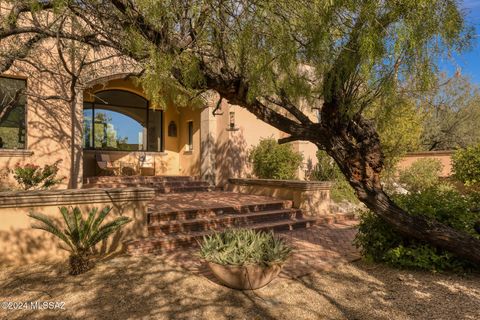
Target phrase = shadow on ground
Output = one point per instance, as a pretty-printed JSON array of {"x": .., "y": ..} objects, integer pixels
[{"x": 151, "y": 288}]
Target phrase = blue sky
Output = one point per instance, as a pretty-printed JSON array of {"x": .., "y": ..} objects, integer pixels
[{"x": 468, "y": 62}]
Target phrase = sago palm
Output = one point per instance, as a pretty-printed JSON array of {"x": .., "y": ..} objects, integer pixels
[{"x": 80, "y": 235}]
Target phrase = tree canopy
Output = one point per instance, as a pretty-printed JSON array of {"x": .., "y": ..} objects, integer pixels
[{"x": 277, "y": 59}]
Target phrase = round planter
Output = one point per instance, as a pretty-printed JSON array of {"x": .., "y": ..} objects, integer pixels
[{"x": 249, "y": 277}]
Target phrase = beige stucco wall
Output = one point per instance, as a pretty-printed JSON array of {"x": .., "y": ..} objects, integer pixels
[
  {"x": 49, "y": 132},
  {"x": 232, "y": 147},
  {"x": 20, "y": 244},
  {"x": 445, "y": 158}
]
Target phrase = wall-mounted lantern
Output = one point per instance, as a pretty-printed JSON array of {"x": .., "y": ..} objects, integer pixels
[
  {"x": 231, "y": 118},
  {"x": 172, "y": 129}
]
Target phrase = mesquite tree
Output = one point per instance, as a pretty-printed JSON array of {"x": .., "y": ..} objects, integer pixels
[{"x": 278, "y": 59}]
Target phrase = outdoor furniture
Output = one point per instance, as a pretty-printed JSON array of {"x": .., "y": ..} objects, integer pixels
[
  {"x": 146, "y": 162},
  {"x": 105, "y": 164}
]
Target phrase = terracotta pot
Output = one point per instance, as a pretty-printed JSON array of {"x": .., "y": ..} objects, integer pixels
[{"x": 249, "y": 277}]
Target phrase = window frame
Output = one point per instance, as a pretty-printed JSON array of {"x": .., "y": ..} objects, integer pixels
[
  {"x": 25, "y": 112},
  {"x": 146, "y": 127},
  {"x": 190, "y": 135}
]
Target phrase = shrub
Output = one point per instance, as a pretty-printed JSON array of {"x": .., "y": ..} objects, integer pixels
[
  {"x": 466, "y": 165},
  {"x": 31, "y": 176},
  {"x": 421, "y": 175},
  {"x": 242, "y": 247},
  {"x": 380, "y": 243},
  {"x": 80, "y": 235},
  {"x": 274, "y": 161},
  {"x": 327, "y": 170}
]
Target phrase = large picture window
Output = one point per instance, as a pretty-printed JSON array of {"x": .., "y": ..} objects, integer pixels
[
  {"x": 120, "y": 120},
  {"x": 12, "y": 113}
]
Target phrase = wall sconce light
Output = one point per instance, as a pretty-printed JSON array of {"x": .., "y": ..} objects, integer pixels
[{"x": 232, "y": 121}]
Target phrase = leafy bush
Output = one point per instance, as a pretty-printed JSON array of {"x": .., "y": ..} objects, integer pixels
[
  {"x": 31, "y": 176},
  {"x": 380, "y": 243},
  {"x": 243, "y": 247},
  {"x": 327, "y": 170},
  {"x": 80, "y": 235},
  {"x": 274, "y": 161},
  {"x": 421, "y": 175},
  {"x": 466, "y": 165}
]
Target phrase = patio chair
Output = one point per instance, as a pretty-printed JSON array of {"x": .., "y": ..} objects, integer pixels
[
  {"x": 146, "y": 162},
  {"x": 105, "y": 164}
]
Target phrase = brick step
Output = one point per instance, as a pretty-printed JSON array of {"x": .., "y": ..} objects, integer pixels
[
  {"x": 155, "y": 185},
  {"x": 182, "y": 189},
  {"x": 336, "y": 218},
  {"x": 171, "y": 242},
  {"x": 164, "y": 228},
  {"x": 139, "y": 179},
  {"x": 198, "y": 213}
]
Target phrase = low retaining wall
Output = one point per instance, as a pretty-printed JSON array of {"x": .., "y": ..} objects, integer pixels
[
  {"x": 313, "y": 197},
  {"x": 20, "y": 244},
  {"x": 445, "y": 158}
]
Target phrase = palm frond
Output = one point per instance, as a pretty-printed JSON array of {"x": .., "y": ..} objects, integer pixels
[
  {"x": 48, "y": 225},
  {"x": 67, "y": 217},
  {"x": 100, "y": 218},
  {"x": 106, "y": 230}
]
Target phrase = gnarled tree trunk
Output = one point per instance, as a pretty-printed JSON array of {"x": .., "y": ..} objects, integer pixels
[{"x": 355, "y": 146}]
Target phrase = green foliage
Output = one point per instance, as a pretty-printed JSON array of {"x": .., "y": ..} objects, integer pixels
[
  {"x": 274, "y": 161},
  {"x": 327, "y": 170},
  {"x": 451, "y": 113},
  {"x": 244, "y": 247},
  {"x": 399, "y": 125},
  {"x": 421, "y": 175},
  {"x": 466, "y": 165},
  {"x": 380, "y": 243},
  {"x": 31, "y": 176},
  {"x": 80, "y": 235}
]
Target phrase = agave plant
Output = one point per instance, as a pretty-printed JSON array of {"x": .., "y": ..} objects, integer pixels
[
  {"x": 243, "y": 247},
  {"x": 80, "y": 235}
]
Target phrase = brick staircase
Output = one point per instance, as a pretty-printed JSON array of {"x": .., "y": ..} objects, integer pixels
[
  {"x": 187, "y": 208},
  {"x": 176, "y": 228},
  {"x": 161, "y": 184}
]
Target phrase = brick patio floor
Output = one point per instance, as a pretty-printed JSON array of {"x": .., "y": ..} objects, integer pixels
[{"x": 320, "y": 247}]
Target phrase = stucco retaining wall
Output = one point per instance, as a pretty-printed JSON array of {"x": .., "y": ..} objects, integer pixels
[
  {"x": 20, "y": 244},
  {"x": 313, "y": 197}
]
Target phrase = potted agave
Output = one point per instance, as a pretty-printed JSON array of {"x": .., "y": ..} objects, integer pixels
[{"x": 244, "y": 259}]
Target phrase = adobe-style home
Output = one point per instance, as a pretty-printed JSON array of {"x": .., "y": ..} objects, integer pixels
[{"x": 114, "y": 122}]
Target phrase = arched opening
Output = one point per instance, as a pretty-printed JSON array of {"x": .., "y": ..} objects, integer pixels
[{"x": 121, "y": 120}]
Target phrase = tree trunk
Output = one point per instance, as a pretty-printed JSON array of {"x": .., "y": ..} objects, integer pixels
[{"x": 355, "y": 146}]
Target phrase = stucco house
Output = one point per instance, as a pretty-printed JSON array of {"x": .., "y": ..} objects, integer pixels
[{"x": 112, "y": 116}]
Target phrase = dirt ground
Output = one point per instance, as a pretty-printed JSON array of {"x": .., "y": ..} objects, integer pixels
[{"x": 150, "y": 288}]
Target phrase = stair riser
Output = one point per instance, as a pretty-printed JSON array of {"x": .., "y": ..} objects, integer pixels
[
  {"x": 158, "y": 247},
  {"x": 139, "y": 179},
  {"x": 240, "y": 222},
  {"x": 154, "y": 216},
  {"x": 148, "y": 185},
  {"x": 182, "y": 190}
]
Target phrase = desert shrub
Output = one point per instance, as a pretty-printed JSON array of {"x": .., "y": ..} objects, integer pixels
[
  {"x": 80, "y": 235},
  {"x": 242, "y": 247},
  {"x": 327, "y": 170},
  {"x": 421, "y": 175},
  {"x": 466, "y": 165},
  {"x": 274, "y": 161},
  {"x": 379, "y": 242},
  {"x": 30, "y": 176}
]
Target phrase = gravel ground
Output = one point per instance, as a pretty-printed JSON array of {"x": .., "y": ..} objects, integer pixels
[{"x": 148, "y": 288}]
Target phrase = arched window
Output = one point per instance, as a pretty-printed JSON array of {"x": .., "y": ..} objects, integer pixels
[{"x": 121, "y": 120}]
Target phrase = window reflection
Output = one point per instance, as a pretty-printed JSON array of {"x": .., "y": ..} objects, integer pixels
[{"x": 127, "y": 127}]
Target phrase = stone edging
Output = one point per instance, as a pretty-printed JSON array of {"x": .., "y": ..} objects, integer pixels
[
  {"x": 287, "y": 184},
  {"x": 17, "y": 199},
  {"x": 15, "y": 153},
  {"x": 429, "y": 153}
]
